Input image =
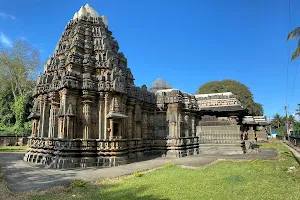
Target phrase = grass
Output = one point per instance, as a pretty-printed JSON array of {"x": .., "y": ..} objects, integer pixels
[
  {"x": 13, "y": 148},
  {"x": 256, "y": 179}
]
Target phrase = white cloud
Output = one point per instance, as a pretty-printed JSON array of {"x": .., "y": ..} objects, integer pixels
[
  {"x": 4, "y": 40},
  {"x": 7, "y": 16}
]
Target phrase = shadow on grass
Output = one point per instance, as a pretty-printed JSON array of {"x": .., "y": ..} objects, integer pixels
[
  {"x": 297, "y": 159},
  {"x": 112, "y": 192},
  {"x": 96, "y": 192}
]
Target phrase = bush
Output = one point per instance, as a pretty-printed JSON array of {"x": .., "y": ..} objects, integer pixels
[
  {"x": 169, "y": 165},
  {"x": 17, "y": 129},
  {"x": 138, "y": 174},
  {"x": 78, "y": 183},
  {"x": 281, "y": 131}
]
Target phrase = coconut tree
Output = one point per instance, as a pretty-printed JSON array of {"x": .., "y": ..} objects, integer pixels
[
  {"x": 298, "y": 110},
  {"x": 277, "y": 119},
  {"x": 295, "y": 34}
]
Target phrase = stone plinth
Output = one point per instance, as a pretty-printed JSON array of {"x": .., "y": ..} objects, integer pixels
[{"x": 72, "y": 153}]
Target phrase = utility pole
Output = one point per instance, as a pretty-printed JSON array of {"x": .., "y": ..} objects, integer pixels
[{"x": 287, "y": 124}]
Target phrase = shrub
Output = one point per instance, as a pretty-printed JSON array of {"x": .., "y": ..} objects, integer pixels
[
  {"x": 78, "y": 183},
  {"x": 138, "y": 174},
  {"x": 169, "y": 165}
]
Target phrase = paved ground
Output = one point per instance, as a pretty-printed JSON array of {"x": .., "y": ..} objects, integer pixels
[{"x": 23, "y": 176}]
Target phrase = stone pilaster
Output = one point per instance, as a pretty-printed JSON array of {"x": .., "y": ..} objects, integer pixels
[
  {"x": 44, "y": 117},
  {"x": 145, "y": 124},
  {"x": 193, "y": 125},
  {"x": 186, "y": 125},
  {"x": 87, "y": 130},
  {"x": 101, "y": 116},
  {"x": 111, "y": 128},
  {"x": 34, "y": 127},
  {"x": 106, "y": 108},
  {"x": 129, "y": 122},
  {"x": 61, "y": 114},
  {"x": 123, "y": 129},
  {"x": 53, "y": 119},
  {"x": 70, "y": 127}
]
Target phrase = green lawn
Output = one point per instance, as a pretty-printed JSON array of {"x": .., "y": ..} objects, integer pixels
[
  {"x": 223, "y": 180},
  {"x": 13, "y": 148}
]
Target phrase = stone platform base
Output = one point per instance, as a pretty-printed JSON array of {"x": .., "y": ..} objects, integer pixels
[
  {"x": 225, "y": 149},
  {"x": 58, "y": 162},
  {"x": 75, "y": 153}
]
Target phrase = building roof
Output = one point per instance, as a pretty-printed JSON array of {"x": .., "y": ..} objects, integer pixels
[{"x": 214, "y": 94}]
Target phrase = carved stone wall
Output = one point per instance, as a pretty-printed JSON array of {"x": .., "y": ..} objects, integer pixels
[{"x": 219, "y": 134}]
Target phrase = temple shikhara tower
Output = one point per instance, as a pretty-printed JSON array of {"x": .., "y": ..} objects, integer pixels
[{"x": 88, "y": 112}]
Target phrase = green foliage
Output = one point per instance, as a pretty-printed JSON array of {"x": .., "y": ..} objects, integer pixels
[
  {"x": 295, "y": 34},
  {"x": 17, "y": 66},
  {"x": 169, "y": 165},
  {"x": 281, "y": 131},
  {"x": 13, "y": 148},
  {"x": 78, "y": 183},
  {"x": 138, "y": 174},
  {"x": 241, "y": 91}
]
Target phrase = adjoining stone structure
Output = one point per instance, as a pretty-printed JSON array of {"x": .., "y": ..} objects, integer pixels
[
  {"x": 88, "y": 112},
  {"x": 213, "y": 118},
  {"x": 252, "y": 123}
]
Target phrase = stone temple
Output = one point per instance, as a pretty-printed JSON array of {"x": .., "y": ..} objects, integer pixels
[{"x": 88, "y": 112}]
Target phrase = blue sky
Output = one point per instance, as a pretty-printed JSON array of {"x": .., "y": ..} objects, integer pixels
[{"x": 187, "y": 43}]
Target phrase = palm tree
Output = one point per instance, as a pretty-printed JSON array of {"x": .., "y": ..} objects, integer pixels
[
  {"x": 295, "y": 34},
  {"x": 277, "y": 119},
  {"x": 298, "y": 110}
]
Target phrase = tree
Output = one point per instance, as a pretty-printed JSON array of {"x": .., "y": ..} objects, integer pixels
[
  {"x": 295, "y": 34},
  {"x": 277, "y": 121},
  {"x": 298, "y": 110},
  {"x": 240, "y": 90},
  {"x": 17, "y": 67}
]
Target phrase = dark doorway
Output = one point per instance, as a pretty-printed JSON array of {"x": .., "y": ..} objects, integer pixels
[{"x": 116, "y": 129}]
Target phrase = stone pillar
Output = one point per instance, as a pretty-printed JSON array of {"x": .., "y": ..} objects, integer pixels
[
  {"x": 61, "y": 127},
  {"x": 101, "y": 118},
  {"x": 62, "y": 111},
  {"x": 34, "y": 128},
  {"x": 186, "y": 125},
  {"x": 105, "y": 114},
  {"x": 53, "y": 120},
  {"x": 129, "y": 121},
  {"x": 70, "y": 127},
  {"x": 124, "y": 130},
  {"x": 179, "y": 125},
  {"x": 145, "y": 124},
  {"x": 44, "y": 117},
  {"x": 87, "y": 119},
  {"x": 193, "y": 125},
  {"x": 111, "y": 124}
]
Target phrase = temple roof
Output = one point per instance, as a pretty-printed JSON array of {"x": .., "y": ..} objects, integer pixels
[
  {"x": 215, "y": 95},
  {"x": 86, "y": 11},
  {"x": 159, "y": 84}
]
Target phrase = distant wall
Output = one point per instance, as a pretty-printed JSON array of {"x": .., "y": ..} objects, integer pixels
[{"x": 13, "y": 141}]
